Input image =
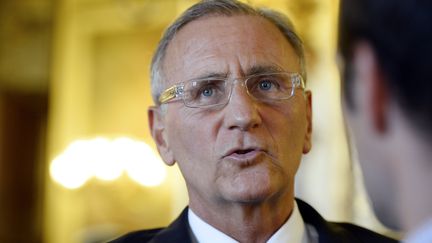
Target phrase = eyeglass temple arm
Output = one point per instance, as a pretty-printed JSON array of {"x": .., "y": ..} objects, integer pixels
[
  {"x": 168, "y": 94},
  {"x": 300, "y": 81}
]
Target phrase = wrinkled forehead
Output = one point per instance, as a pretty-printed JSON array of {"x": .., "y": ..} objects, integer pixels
[{"x": 233, "y": 45}]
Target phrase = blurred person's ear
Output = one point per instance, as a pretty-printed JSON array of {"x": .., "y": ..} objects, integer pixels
[
  {"x": 373, "y": 95},
  {"x": 157, "y": 129},
  {"x": 308, "y": 137}
]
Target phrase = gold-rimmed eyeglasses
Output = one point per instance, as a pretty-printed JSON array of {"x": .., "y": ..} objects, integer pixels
[{"x": 211, "y": 92}]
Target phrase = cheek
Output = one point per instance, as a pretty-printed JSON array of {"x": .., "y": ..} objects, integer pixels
[
  {"x": 181, "y": 138},
  {"x": 288, "y": 130},
  {"x": 186, "y": 134},
  {"x": 289, "y": 123}
]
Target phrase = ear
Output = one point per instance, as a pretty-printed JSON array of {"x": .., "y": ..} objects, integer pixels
[
  {"x": 307, "y": 145},
  {"x": 376, "y": 92},
  {"x": 158, "y": 132}
]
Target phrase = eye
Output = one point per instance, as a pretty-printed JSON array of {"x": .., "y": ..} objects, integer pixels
[
  {"x": 207, "y": 91},
  {"x": 265, "y": 85}
]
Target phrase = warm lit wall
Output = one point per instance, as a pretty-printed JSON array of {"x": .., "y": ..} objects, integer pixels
[
  {"x": 25, "y": 32},
  {"x": 100, "y": 87}
]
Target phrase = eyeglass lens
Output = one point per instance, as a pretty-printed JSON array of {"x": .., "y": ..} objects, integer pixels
[{"x": 264, "y": 87}]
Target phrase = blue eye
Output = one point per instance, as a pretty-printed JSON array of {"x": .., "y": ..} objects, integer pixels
[
  {"x": 265, "y": 85},
  {"x": 207, "y": 92}
]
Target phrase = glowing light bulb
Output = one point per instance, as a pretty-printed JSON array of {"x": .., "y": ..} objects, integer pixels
[
  {"x": 104, "y": 162},
  {"x": 144, "y": 166},
  {"x": 70, "y": 169}
]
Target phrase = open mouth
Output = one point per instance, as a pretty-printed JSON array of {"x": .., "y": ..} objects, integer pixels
[
  {"x": 245, "y": 151},
  {"x": 244, "y": 155}
]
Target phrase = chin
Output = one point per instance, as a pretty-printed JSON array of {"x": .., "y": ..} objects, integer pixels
[
  {"x": 253, "y": 188},
  {"x": 249, "y": 198}
]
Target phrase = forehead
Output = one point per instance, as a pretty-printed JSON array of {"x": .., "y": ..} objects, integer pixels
[{"x": 231, "y": 45}]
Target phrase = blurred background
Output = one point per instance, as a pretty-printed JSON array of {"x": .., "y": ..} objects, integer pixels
[{"x": 77, "y": 163}]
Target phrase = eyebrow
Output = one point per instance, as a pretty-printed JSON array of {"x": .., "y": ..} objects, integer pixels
[
  {"x": 210, "y": 75},
  {"x": 260, "y": 69}
]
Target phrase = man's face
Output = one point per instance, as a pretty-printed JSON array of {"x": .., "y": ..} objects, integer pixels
[{"x": 246, "y": 151}]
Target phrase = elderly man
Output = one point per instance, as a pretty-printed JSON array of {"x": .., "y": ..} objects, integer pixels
[
  {"x": 233, "y": 112},
  {"x": 387, "y": 48}
]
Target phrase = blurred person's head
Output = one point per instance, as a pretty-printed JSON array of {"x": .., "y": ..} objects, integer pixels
[
  {"x": 231, "y": 109},
  {"x": 386, "y": 48}
]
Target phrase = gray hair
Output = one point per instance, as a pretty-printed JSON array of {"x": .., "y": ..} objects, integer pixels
[{"x": 219, "y": 8}]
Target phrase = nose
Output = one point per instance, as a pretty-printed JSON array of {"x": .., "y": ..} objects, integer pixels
[{"x": 241, "y": 112}]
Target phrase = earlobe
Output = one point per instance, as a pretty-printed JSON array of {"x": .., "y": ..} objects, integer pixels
[
  {"x": 307, "y": 145},
  {"x": 158, "y": 132}
]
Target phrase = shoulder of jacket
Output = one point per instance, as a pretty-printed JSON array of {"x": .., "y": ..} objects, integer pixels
[
  {"x": 362, "y": 234},
  {"x": 137, "y": 236}
]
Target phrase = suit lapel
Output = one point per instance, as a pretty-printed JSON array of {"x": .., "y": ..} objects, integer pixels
[
  {"x": 327, "y": 232},
  {"x": 177, "y": 231}
]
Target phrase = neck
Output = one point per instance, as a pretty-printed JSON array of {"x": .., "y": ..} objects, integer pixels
[
  {"x": 415, "y": 192},
  {"x": 413, "y": 167},
  {"x": 247, "y": 222}
]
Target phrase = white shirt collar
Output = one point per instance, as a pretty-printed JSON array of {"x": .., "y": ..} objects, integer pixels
[
  {"x": 293, "y": 230},
  {"x": 420, "y": 235}
]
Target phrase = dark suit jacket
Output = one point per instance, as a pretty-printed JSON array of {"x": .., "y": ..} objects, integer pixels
[{"x": 328, "y": 232}]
